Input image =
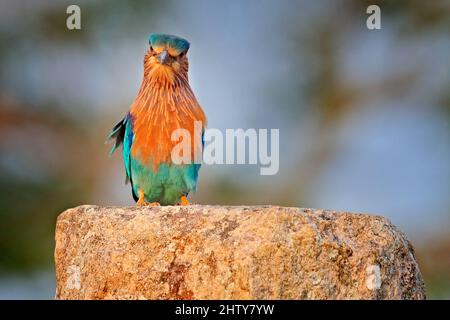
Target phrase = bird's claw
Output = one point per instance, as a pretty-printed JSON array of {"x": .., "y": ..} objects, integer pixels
[
  {"x": 147, "y": 204},
  {"x": 142, "y": 203}
]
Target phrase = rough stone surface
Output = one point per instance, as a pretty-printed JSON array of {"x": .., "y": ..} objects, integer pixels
[{"x": 216, "y": 252}]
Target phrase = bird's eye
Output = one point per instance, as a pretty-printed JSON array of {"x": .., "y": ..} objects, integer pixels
[
  {"x": 182, "y": 54},
  {"x": 151, "y": 48}
]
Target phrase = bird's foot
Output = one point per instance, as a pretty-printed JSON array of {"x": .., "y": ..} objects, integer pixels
[
  {"x": 153, "y": 204},
  {"x": 147, "y": 204},
  {"x": 142, "y": 203},
  {"x": 184, "y": 201}
]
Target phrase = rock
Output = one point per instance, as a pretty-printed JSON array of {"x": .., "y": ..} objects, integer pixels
[{"x": 216, "y": 252}]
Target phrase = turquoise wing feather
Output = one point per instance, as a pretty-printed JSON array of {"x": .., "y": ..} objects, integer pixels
[{"x": 123, "y": 133}]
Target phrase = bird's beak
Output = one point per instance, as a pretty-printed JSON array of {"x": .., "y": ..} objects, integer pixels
[{"x": 163, "y": 57}]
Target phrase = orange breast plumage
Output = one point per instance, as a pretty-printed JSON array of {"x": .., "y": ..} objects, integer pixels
[{"x": 159, "y": 110}]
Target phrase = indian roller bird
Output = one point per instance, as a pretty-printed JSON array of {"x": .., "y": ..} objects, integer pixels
[{"x": 165, "y": 102}]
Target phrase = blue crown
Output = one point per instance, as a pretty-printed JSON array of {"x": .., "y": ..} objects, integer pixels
[{"x": 174, "y": 42}]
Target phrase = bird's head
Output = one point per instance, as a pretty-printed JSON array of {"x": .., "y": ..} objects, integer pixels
[{"x": 166, "y": 56}]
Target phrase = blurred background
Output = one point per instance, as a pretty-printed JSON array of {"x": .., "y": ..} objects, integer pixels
[{"x": 363, "y": 114}]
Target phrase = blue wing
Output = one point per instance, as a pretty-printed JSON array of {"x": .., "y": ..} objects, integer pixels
[
  {"x": 127, "y": 143},
  {"x": 123, "y": 133}
]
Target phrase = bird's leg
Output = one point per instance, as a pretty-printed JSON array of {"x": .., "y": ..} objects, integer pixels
[
  {"x": 184, "y": 201},
  {"x": 141, "y": 201}
]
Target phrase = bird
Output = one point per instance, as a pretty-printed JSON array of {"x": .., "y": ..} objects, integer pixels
[{"x": 165, "y": 102}]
